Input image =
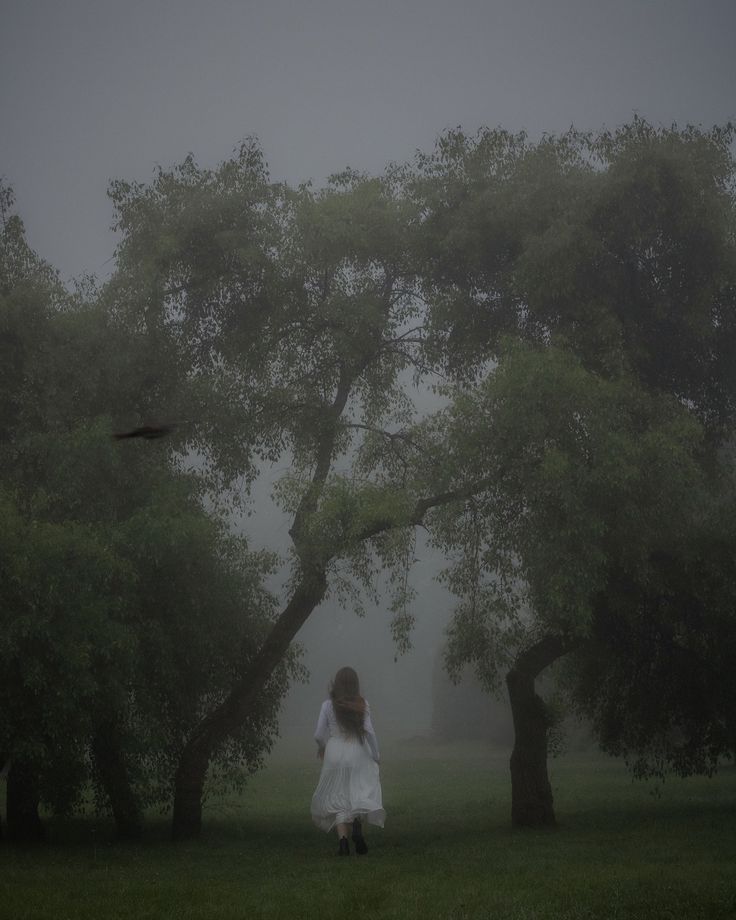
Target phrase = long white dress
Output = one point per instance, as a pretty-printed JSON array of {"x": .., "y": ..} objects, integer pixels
[{"x": 349, "y": 785}]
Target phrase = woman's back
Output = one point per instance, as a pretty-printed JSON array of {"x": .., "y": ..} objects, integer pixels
[
  {"x": 328, "y": 726},
  {"x": 349, "y": 787}
]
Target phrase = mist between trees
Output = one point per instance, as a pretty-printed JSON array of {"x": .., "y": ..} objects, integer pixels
[{"x": 569, "y": 303}]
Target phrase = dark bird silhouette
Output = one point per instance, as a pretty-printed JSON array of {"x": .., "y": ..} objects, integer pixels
[{"x": 149, "y": 432}]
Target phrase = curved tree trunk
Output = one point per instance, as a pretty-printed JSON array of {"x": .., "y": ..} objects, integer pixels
[
  {"x": 24, "y": 823},
  {"x": 110, "y": 762},
  {"x": 230, "y": 715},
  {"x": 531, "y": 792}
]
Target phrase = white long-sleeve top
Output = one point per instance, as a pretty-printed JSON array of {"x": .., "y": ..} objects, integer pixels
[{"x": 328, "y": 727}]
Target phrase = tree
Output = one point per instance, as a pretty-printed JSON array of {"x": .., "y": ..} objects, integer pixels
[
  {"x": 591, "y": 477},
  {"x": 296, "y": 313},
  {"x": 620, "y": 243},
  {"x": 126, "y": 608},
  {"x": 612, "y": 258},
  {"x": 656, "y": 675},
  {"x": 60, "y": 591}
]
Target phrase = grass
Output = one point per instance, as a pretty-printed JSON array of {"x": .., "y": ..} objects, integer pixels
[{"x": 447, "y": 852}]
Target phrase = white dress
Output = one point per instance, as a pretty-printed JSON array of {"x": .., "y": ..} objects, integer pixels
[{"x": 349, "y": 785}]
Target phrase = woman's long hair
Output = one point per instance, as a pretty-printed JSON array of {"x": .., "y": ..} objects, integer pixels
[{"x": 348, "y": 703}]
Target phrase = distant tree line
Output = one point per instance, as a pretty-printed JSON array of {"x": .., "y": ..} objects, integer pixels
[{"x": 573, "y": 300}]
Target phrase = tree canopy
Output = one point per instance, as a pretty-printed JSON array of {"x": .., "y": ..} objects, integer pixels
[
  {"x": 582, "y": 295},
  {"x": 571, "y": 303},
  {"x": 126, "y": 608}
]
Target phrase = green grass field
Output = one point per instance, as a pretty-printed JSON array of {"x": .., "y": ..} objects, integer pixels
[{"x": 447, "y": 851}]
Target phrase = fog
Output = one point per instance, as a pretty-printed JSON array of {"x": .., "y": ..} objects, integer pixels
[
  {"x": 91, "y": 90},
  {"x": 399, "y": 687}
]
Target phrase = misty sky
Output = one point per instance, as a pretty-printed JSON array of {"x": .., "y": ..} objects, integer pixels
[{"x": 92, "y": 90}]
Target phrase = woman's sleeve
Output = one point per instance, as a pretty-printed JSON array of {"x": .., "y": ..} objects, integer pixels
[
  {"x": 322, "y": 731},
  {"x": 370, "y": 734}
]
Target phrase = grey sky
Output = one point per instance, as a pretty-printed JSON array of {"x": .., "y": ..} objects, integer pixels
[{"x": 91, "y": 89}]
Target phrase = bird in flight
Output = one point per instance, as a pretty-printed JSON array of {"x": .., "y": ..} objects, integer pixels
[{"x": 149, "y": 432}]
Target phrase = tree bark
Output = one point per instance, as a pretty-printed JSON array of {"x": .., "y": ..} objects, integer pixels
[
  {"x": 110, "y": 762},
  {"x": 24, "y": 823},
  {"x": 531, "y": 792},
  {"x": 230, "y": 715},
  {"x": 4, "y": 766}
]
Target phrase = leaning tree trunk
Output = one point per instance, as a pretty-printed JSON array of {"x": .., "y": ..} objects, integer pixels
[
  {"x": 232, "y": 713},
  {"x": 109, "y": 759},
  {"x": 531, "y": 792},
  {"x": 24, "y": 823}
]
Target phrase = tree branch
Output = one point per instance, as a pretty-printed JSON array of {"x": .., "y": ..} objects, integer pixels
[
  {"x": 422, "y": 506},
  {"x": 533, "y": 660},
  {"x": 389, "y": 435},
  {"x": 325, "y": 449}
]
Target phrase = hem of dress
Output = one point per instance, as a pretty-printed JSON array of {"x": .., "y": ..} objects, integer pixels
[{"x": 376, "y": 816}]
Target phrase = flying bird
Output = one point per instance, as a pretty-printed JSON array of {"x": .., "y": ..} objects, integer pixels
[{"x": 149, "y": 432}]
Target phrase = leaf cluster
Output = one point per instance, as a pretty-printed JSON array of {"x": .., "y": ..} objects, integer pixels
[{"x": 124, "y": 602}]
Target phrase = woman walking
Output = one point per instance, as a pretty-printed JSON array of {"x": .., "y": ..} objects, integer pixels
[{"x": 349, "y": 787}]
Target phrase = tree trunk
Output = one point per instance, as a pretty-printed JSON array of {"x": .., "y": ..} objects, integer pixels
[
  {"x": 531, "y": 792},
  {"x": 232, "y": 713},
  {"x": 186, "y": 823},
  {"x": 4, "y": 767},
  {"x": 24, "y": 823},
  {"x": 110, "y": 762}
]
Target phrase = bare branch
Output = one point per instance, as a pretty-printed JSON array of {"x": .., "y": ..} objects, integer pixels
[
  {"x": 404, "y": 337},
  {"x": 389, "y": 435}
]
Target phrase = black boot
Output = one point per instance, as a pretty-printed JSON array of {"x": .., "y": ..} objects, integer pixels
[
  {"x": 344, "y": 847},
  {"x": 361, "y": 847}
]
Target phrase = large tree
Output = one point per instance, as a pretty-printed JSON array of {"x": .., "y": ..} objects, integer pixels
[
  {"x": 613, "y": 259},
  {"x": 595, "y": 483},
  {"x": 126, "y": 608},
  {"x": 299, "y": 316}
]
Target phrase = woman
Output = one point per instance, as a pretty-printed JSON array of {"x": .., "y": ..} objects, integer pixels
[{"x": 349, "y": 786}]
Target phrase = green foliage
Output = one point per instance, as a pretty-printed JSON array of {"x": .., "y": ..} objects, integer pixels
[
  {"x": 581, "y": 294},
  {"x": 124, "y": 603},
  {"x": 620, "y": 243},
  {"x": 319, "y": 308},
  {"x": 657, "y": 677},
  {"x": 578, "y": 293},
  {"x": 199, "y": 613},
  {"x": 578, "y": 296},
  {"x": 64, "y": 645},
  {"x": 587, "y": 475},
  {"x": 303, "y": 358}
]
